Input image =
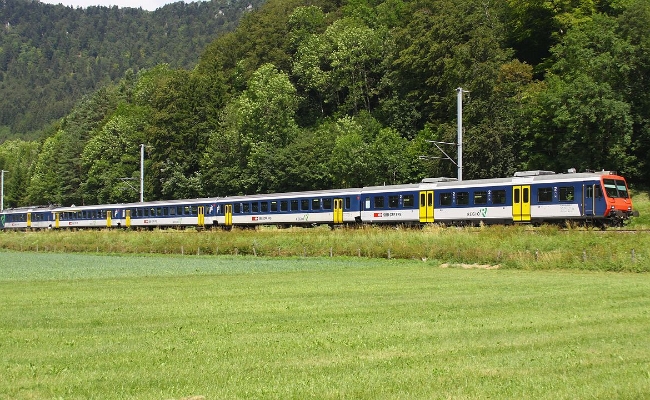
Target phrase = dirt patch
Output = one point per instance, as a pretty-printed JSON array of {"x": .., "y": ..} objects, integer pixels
[{"x": 470, "y": 266}]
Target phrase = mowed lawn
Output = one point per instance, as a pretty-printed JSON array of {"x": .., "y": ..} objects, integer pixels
[{"x": 127, "y": 327}]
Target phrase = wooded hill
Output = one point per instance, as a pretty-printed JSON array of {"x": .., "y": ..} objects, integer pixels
[
  {"x": 316, "y": 94},
  {"x": 52, "y": 55}
]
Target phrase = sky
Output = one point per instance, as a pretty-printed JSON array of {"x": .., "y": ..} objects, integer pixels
[{"x": 150, "y": 5}]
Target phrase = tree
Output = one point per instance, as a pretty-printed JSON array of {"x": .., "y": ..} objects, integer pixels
[
  {"x": 112, "y": 159},
  {"x": 583, "y": 113},
  {"x": 254, "y": 126},
  {"x": 17, "y": 158},
  {"x": 184, "y": 110},
  {"x": 342, "y": 66}
]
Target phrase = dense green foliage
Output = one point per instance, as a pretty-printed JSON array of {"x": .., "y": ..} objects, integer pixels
[
  {"x": 52, "y": 55},
  {"x": 315, "y": 94}
]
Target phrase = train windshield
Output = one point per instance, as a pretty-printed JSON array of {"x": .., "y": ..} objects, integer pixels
[{"x": 615, "y": 188}]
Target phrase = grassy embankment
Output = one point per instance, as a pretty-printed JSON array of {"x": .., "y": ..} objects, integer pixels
[
  {"x": 507, "y": 246},
  {"x": 80, "y": 326}
]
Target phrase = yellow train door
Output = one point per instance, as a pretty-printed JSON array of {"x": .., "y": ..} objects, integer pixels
[
  {"x": 29, "y": 220},
  {"x": 521, "y": 203},
  {"x": 228, "y": 212},
  {"x": 109, "y": 215},
  {"x": 426, "y": 206},
  {"x": 56, "y": 220},
  {"x": 201, "y": 215},
  {"x": 338, "y": 211},
  {"x": 128, "y": 218}
]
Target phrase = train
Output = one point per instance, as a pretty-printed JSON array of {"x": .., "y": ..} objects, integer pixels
[{"x": 537, "y": 197}]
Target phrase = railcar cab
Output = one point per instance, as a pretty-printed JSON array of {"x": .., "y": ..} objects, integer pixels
[
  {"x": 617, "y": 197},
  {"x": 593, "y": 197}
]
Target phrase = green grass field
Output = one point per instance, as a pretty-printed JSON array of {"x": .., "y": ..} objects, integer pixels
[{"x": 79, "y": 326}]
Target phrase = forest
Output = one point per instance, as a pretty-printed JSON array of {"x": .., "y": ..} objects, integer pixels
[
  {"x": 319, "y": 94},
  {"x": 53, "y": 55}
]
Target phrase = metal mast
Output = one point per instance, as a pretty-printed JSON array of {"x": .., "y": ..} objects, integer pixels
[{"x": 141, "y": 173}]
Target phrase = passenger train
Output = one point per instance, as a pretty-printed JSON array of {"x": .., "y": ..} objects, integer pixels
[{"x": 529, "y": 197}]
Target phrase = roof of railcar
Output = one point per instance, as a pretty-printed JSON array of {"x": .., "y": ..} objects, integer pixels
[{"x": 527, "y": 177}]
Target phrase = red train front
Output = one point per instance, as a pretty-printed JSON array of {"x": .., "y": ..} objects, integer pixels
[{"x": 617, "y": 197}]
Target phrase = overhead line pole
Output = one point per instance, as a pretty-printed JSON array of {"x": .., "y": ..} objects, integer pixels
[
  {"x": 2, "y": 190},
  {"x": 142, "y": 173},
  {"x": 460, "y": 92}
]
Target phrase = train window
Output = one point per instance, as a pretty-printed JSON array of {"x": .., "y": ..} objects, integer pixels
[
  {"x": 264, "y": 206},
  {"x": 499, "y": 197},
  {"x": 194, "y": 210},
  {"x": 159, "y": 211},
  {"x": 274, "y": 206},
  {"x": 462, "y": 198},
  {"x": 172, "y": 210},
  {"x": 480, "y": 197},
  {"x": 327, "y": 204},
  {"x": 445, "y": 199},
  {"x": 615, "y": 188},
  {"x": 237, "y": 208},
  {"x": 284, "y": 205},
  {"x": 246, "y": 208},
  {"x": 255, "y": 207},
  {"x": 304, "y": 204},
  {"x": 294, "y": 205},
  {"x": 526, "y": 195},
  {"x": 166, "y": 211},
  {"x": 545, "y": 195},
  {"x": 566, "y": 193},
  {"x": 409, "y": 201},
  {"x": 315, "y": 204},
  {"x": 347, "y": 203},
  {"x": 393, "y": 201},
  {"x": 379, "y": 201}
]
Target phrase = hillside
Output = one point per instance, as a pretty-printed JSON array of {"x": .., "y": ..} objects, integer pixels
[
  {"x": 52, "y": 55},
  {"x": 319, "y": 94}
]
